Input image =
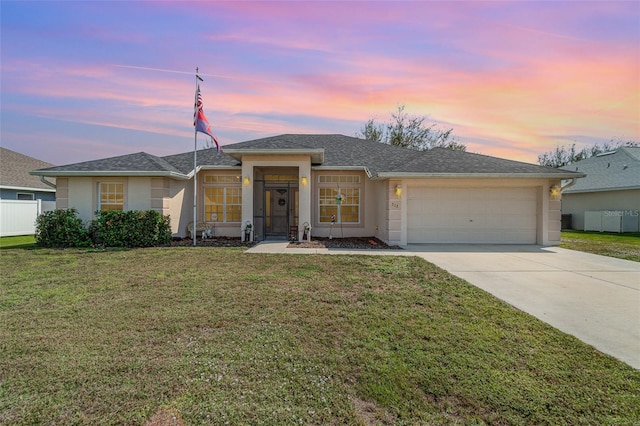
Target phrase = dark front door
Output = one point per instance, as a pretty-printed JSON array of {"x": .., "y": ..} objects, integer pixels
[{"x": 277, "y": 212}]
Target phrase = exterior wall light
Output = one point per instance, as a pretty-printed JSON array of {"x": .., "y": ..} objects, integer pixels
[
  {"x": 303, "y": 180},
  {"x": 246, "y": 180},
  {"x": 398, "y": 190},
  {"x": 554, "y": 192}
]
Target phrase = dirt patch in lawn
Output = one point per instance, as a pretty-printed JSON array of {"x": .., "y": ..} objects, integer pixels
[{"x": 165, "y": 418}]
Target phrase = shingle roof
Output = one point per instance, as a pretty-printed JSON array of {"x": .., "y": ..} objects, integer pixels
[
  {"x": 138, "y": 163},
  {"x": 339, "y": 152},
  {"x": 441, "y": 160},
  {"x": 15, "y": 168},
  {"x": 205, "y": 157},
  {"x": 383, "y": 159},
  {"x": 633, "y": 152},
  {"x": 616, "y": 170}
]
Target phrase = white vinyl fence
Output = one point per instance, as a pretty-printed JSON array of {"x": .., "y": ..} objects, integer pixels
[
  {"x": 612, "y": 221},
  {"x": 18, "y": 217}
]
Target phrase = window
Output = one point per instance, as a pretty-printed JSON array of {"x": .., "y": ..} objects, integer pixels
[
  {"x": 281, "y": 178},
  {"x": 25, "y": 196},
  {"x": 111, "y": 196},
  {"x": 221, "y": 179},
  {"x": 347, "y": 179},
  {"x": 343, "y": 203},
  {"x": 222, "y": 204}
]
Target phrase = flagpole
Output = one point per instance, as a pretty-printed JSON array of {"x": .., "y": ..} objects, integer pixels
[{"x": 195, "y": 165}]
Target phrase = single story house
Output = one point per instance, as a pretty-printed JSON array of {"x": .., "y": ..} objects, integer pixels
[
  {"x": 338, "y": 185},
  {"x": 610, "y": 193},
  {"x": 23, "y": 197},
  {"x": 15, "y": 181}
]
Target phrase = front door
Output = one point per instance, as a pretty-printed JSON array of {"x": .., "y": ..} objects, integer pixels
[{"x": 277, "y": 212}]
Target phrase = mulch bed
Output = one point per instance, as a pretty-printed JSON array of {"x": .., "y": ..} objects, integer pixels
[
  {"x": 366, "y": 243},
  {"x": 213, "y": 242}
]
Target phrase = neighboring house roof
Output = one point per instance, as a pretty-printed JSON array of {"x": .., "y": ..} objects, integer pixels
[
  {"x": 15, "y": 168},
  {"x": 611, "y": 171},
  {"x": 327, "y": 152}
]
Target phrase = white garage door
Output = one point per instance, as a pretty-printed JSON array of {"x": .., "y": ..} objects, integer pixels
[{"x": 476, "y": 215}]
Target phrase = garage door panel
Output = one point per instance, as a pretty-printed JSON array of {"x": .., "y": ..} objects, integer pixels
[{"x": 463, "y": 215}]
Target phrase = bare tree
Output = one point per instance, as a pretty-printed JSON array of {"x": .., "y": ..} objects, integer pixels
[{"x": 409, "y": 131}]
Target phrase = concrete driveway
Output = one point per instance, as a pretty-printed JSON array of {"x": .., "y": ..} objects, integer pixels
[{"x": 594, "y": 298}]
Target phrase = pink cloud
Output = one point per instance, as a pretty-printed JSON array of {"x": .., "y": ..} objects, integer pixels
[{"x": 508, "y": 79}]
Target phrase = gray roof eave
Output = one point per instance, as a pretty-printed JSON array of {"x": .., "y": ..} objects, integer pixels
[
  {"x": 583, "y": 191},
  {"x": 345, "y": 168},
  {"x": 27, "y": 188},
  {"x": 418, "y": 175},
  {"x": 72, "y": 173},
  {"x": 217, "y": 167}
]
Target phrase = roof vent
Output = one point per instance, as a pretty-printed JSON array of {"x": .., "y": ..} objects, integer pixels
[
  {"x": 608, "y": 164},
  {"x": 606, "y": 153},
  {"x": 624, "y": 167}
]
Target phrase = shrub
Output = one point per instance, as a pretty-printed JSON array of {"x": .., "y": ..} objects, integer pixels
[
  {"x": 61, "y": 228},
  {"x": 135, "y": 228}
]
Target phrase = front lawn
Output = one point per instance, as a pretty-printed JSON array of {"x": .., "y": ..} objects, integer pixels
[
  {"x": 18, "y": 241},
  {"x": 216, "y": 335},
  {"x": 622, "y": 246}
]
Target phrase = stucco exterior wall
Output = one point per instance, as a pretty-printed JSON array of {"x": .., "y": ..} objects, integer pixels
[
  {"x": 81, "y": 197},
  {"x": 383, "y": 211},
  {"x": 138, "y": 193},
  {"x": 160, "y": 195},
  {"x": 180, "y": 206},
  {"x": 62, "y": 193},
  {"x": 396, "y": 213},
  {"x": 576, "y": 204},
  {"x": 554, "y": 222},
  {"x": 81, "y": 193},
  {"x": 380, "y": 202}
]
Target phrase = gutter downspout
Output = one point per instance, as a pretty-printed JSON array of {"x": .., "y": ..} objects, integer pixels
[
  {"x": 569, "y": 185},
  {"x": 46, "y": 182}
]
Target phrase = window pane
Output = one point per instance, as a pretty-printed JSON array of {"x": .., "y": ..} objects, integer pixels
[
  {"x": 111, "y": 196},
  {"x": 326, "y": 212},
  {"x": 213, "y": 204},
  {"x": 349, "y": 213}
]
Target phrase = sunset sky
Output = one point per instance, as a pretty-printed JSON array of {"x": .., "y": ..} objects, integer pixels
[{"x": 92, "y": 79}]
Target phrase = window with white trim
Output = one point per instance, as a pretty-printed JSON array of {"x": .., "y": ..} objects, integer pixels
[
  {"x": 25, "y": 196},
  {"x": 222, "y": 199},
  {"x": 110, "y": 196},
  {"x": 339, "y": 198}
]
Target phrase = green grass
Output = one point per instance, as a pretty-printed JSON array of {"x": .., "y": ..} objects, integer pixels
[
  {"x": 23, "y": 241},
  {"x": 218, "y": 335},
  {"x": 622, "y": 246}
]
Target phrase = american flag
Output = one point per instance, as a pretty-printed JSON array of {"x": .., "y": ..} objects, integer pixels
[{"x": 200, "y": 121}]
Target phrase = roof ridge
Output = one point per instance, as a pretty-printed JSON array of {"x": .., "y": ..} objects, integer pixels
[
  {"x": 161, "y": 162},
  {"x": 340, "y": 151}
]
